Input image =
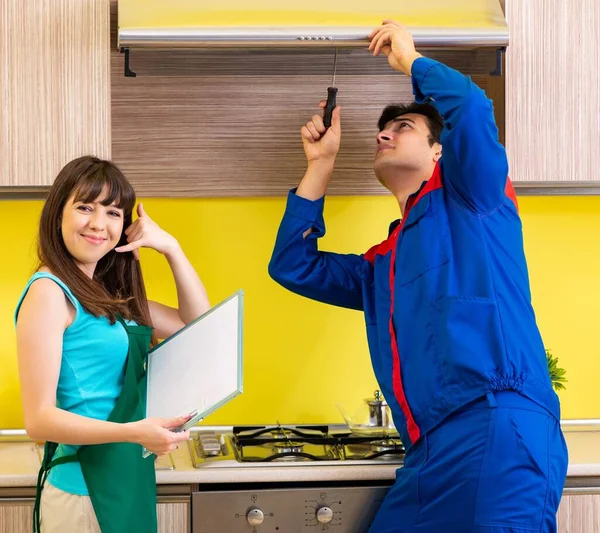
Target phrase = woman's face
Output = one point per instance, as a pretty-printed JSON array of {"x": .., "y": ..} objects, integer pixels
[{"x": 90, "y": 231}]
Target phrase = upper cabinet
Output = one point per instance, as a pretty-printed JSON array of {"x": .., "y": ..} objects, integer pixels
[
  {"x": 231, "y": 125},
  {"x": 553, "y": 93},
  {"x": 55, "y": 81},
  {"x": 218, "y": 122},
  {"x": 222, "y": 88}
]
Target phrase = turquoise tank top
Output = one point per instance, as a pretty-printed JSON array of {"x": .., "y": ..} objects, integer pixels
[{"x": 91, "y": 376}]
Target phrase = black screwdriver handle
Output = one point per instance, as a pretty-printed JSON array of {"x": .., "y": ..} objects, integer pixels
[{"x": 329, "y": 106}]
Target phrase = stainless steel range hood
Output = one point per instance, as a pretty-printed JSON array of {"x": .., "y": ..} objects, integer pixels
[{"x": 311, "y": 23}]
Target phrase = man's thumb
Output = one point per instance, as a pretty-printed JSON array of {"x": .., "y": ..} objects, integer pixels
[{"x": 335, "y": 119}]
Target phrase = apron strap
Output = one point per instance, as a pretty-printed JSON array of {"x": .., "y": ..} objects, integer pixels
[
  {"x": 41, "y": 480},
  {"x": 64, "y": 459},
  {"x": 121, "y": 321},
  {"x": 47, "y": 464}
]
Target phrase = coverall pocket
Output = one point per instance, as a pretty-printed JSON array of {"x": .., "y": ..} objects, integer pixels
[
  {"x": 513, "y": 486},
  {"x": 464, "y": 328}
]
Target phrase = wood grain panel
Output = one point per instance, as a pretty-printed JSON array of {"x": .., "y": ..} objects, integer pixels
[
  {"x": 206, "y": 123},
  {"x": 579, "y": 513},
  {"x": 553, "y": 89},
  {"x": 233, "y": 130},
  {"x": 55, "y": 79},
  {"x": 173, "y": 517},
  {"x": 16, "y": 516}
]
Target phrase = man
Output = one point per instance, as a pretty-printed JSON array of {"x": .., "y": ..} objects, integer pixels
[{"x": 452, "y": 335}]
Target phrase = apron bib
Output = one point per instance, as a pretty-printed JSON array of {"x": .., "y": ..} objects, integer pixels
[{"x": 121, "y": 483}]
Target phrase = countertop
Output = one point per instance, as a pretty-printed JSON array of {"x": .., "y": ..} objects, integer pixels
[{"x": 20, "y": 463}]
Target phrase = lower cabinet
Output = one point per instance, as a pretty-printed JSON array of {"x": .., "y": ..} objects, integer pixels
[
  {"x": 16, "y": 516},
  {"x": 173, "y": 517},
  {"x": 579, "y": 513}
]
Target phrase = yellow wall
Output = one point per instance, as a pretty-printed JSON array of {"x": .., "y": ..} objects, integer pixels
[{"x": 302, "y": 357}]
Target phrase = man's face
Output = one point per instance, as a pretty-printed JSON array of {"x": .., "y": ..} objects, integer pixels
[{"x": 403, "y": 144}]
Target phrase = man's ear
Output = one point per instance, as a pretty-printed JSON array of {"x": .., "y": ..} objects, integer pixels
[{"x": 437, "y": 155}]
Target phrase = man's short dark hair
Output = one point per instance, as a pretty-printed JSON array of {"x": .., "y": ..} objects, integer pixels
[{"x": 434, "y": 119}]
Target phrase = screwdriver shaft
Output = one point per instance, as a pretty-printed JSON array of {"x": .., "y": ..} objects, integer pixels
[{"x": 334, "y": 67}]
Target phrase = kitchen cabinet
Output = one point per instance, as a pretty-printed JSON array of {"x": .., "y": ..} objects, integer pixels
[
  {"x": 552, "y": 87},
  {"x": 55, "y": 79},
  {"x": 547, "y": 111},
  {"x": 16, "y": 515},
  {"x": 579, "y": 513},
  {"x": 57, "y": 104},
  {"x": 173, "y": 517},
  {"x": 271, "y": 95}
]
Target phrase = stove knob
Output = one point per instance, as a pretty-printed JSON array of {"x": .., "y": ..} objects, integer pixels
[
  {"x": 324, "y": 515},
  {"x": 255, "y": 517}
]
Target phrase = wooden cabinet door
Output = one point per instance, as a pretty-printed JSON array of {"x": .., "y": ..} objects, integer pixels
[
  {"x": 579, "y": 513},
  {"x": 173, "y": 517},
  {"x": 55, "y": 80},
  {"x": 552, "y": 87},
  {"x": 16, "y": 515}
]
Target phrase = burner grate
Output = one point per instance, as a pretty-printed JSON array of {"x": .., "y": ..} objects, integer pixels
[{"x": 310, "y": 443}]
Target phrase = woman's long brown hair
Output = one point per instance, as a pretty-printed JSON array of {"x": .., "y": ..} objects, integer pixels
[{"x": 117, "y": 287}]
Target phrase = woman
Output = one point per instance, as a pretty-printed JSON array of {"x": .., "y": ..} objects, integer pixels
[{"x": 84, "y": 327}]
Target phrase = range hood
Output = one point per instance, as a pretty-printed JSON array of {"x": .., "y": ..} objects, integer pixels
[{"x": 188, "y": 24}]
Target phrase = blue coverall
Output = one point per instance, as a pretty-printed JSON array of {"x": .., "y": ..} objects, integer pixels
[{"x": 451, "y": 330}]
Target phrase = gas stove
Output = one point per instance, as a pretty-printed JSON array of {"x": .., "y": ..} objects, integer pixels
[
  {"x": 289, "y": 505},
  {"x": 294, "y": 446}
]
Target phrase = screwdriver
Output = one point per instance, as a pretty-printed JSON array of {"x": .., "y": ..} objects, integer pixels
[{"x": 331, "y": 94}]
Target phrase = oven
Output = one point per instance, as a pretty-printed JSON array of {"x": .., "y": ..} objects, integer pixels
[
  {"x": 287, "y": 509},
  {"x": 320, "y": 478}
]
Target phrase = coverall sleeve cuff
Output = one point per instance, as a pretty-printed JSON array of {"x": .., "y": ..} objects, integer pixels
[
  {"x": 309, "y": 210},
  {"x": 420, "y": 67}
]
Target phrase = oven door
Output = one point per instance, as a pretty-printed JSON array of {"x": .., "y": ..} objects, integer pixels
[{"x": 288, "y": 509}]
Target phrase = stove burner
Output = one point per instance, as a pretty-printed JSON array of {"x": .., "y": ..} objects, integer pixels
[
  {"x": 387, "y": 445},
  {"x": 288, "y": 447},
  {"x": 288, "y": 444}
]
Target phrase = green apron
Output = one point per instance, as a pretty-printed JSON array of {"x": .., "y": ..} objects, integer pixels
[{"x": 121, "y": 483}]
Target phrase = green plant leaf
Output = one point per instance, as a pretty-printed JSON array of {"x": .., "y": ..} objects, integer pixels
[{"x": 557, "y": 374}]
